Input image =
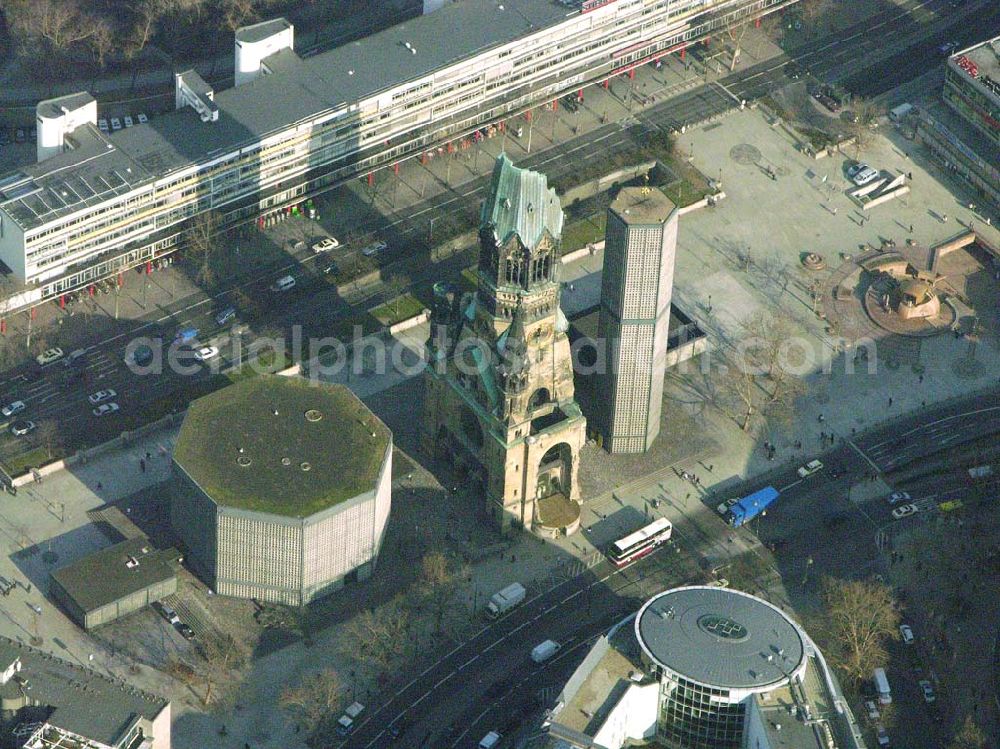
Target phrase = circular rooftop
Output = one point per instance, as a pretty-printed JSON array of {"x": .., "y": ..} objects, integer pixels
[
  {"x": 281, "y": 445},
  {"x": 720, "y": 638}
]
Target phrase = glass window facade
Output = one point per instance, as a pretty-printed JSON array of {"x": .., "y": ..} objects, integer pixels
[{"x": 693, "y": 716}]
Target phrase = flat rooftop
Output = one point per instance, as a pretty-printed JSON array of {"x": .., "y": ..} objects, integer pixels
[
  {"x": 642, "y": 206},
  {"x": 720, "y": 638},
  {"x": 104, "y": 577},
  {"x": 986, "y": 56},
  {"x": 282, "y": 445},
  {"x": 83, "y": 701},
  {"x": 296, "y": 93},
  {"x": 595, "y": 688}
]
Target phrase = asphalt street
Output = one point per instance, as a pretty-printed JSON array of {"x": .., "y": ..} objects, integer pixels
[{"x": 51, "y": 395}]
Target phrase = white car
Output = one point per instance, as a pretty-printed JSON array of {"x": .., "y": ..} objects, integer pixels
[
  {"x": 13, "y": 408},
  {"x": 907, "y": 633},
  {"x": 374, "y": 249},
  {"x": 141, "y": 118},
  {"x": 101, "y": 395},
  {"x": 864, "y": 176},
  {"x": 904, "y": 511},
  {"x": 325, "y": 245},
  {"x": 206, "y": 352},
  {"x": 810, "y": 468},
  {"x": 104, "y": 409},
  {"x": 872, "y": 709},
  {"x": 127, "y": 119},
  {"x": 116, "y": 124},
  {"x": 48, "y": 356},
  {"x": 896, "y": 497},
  {"x": 102, "y": 125},
  {"x": 928, "y": 690},
  {"x": 723, "y": 507},
  {"x": 21, "y": 428}
]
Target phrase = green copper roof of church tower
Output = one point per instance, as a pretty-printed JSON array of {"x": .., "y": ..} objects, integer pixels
[{"x": 521, "y": 202}]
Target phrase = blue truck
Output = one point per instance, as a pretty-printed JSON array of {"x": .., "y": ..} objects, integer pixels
[{"x": 751, "y": 506}]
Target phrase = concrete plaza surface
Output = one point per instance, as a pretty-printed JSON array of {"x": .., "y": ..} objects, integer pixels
[{"x": 775, "y": 220}]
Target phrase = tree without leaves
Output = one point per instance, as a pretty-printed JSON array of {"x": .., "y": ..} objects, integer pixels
[
  {"x": 48, "y": 435},
  {"x": 757, "y": 383},
  {"x": 237, "y": 13},
  {"x": 318, "y": 696},
  {"x": 736, "y": 31},
  {"x": 812, "y": 9},
  {"x": 969, "y": 736},
  {"x": 52, "y": 24},
  {"x": 224, "y": 657},
  {"x": 438, "y": 582},
  {"x": 861, "y": 617},
  {"x": 379, "y": 638},
  {"x": 201, "y": 244},
  {"x": 102, "y": 41},
  {"x": 865, "y": 117}
]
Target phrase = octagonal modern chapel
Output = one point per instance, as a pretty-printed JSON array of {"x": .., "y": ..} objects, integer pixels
[{"x": 281, "y": 488}]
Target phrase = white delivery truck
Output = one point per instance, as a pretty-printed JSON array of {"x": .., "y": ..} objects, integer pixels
[
  {"x": 345, "y": 724},
  {"x": 503, "y": 601},
  {"x": 882, "y": 686},
  {"x": 544, "y": 650}
]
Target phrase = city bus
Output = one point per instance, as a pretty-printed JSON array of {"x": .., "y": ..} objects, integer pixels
[{"x": 644, "y": 541}]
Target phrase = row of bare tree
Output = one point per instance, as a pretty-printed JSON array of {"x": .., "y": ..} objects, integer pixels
[{"x": 126, "y": 27}]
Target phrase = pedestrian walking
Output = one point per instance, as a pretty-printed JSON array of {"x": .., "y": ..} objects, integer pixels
[
  {"x": 142, "y": 464},
  {"x": 944, "y": 219},
  {"x": 149, "y": 455},
  {"x": 822, "y": 418},
  {"x": 920, "y": 379},
  {"x": 911, "y": 228},
  {"x": 890, "y": 400},
  {"x": 99, "y": 486}
]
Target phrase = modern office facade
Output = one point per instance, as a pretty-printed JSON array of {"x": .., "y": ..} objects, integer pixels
[
  {"x": 105, "y": 202},
  {"x": 703, "y": 667},
  {"x": 972, "y": 86},
  {"x": 281, "y": 489},
  {"x": 639, "y": 251}
]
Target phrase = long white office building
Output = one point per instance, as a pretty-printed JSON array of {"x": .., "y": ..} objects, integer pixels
[{"x": 98, "y": 203}]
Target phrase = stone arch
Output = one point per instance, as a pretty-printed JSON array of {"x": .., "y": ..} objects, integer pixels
[
  {"x": 554, "y": 470},
  {"x": 539, "y": 398}
]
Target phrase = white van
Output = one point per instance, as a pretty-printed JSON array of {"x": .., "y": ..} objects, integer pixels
[
  {"x": 283, "y": 284},
  {"x": 882, "y": 686},
  {"x": 897, "y": 114},
  {"x": 545, "y": 650}
]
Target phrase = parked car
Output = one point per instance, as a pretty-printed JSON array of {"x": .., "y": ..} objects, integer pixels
[
  {"x": 374, "y": 249},
  {"x": 948, "y": 47},
  {"x": 105, "y": 408},
  {"x": 101, "y": 395},
  {"x": 186, "y": 632},
  {"x": 20, "y": 136},
  {"x": 827, "y": 101},
  {"x": 225, "y": 315},
  {"x": 141, "y": 118},
  {"x": 22, "y": 427},
  {"x": 928, "y": 690},
  {"x": 896, "y": 497},
  {"x": 907, "y": 633},
  {"x": 140, "y": 357},
  {"x": 864, "y": 175},
  {"x": 904, "y": 511},
  {"x": 4, "y": 136},
  {"x": 872, "y": 709},
  {"x": 116, "y": 124},
  {"x": 285, "y": 283},
  {"x": 205, "y": 353},
  {"x": 127, "y": 119},
  {"x": 14, "y": 407},
  {"x": 810, "y": 468},
  {"x": 32, "y": 135},
  {"x": 78, "y": 356},
  {"x": 166, "y": 612},
  {"x": 882, "y": 735},
  {"x": 326, "y": 244},
  {"x": 48, "y": 356},
  {"x": 102, "y": 125}
]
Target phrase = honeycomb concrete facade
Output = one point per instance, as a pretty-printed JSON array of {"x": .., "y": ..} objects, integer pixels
[
  {"x": 274, "y": 548},
  {"x": 639, "y": 252}
]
